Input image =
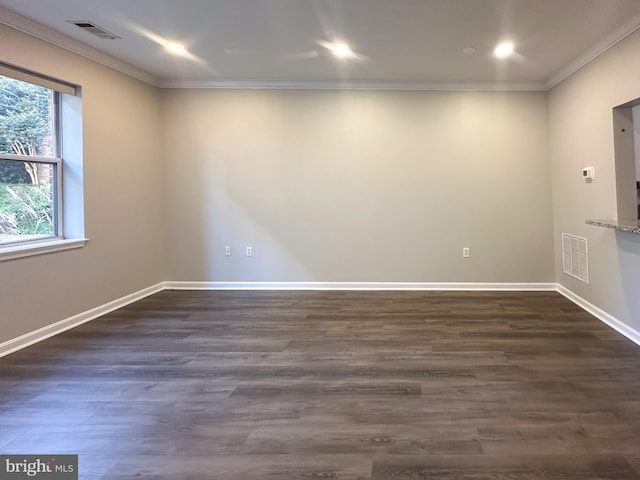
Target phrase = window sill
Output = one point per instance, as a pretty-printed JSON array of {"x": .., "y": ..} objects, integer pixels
[{"x": 12, "y": 252}]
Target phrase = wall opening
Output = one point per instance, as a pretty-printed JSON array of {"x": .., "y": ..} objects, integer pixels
[
  {"x": 636, "y": 143},
  {"x": 626, "y": 128}
]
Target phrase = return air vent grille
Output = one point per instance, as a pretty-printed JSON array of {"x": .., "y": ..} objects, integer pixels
[
  {"x": 93, "y": 28},
  {"x": 575, "y": 257}
]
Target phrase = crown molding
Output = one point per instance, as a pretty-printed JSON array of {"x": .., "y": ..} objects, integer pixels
[
  {"x": 35, "y": 29},
  {"x": 592, "y": 53},
  {"x": 351, "y": 85}
]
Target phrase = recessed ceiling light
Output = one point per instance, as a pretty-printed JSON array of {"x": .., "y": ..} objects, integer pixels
[
  {"x": 339, "y": 49},
  {"x": 175, "y": 48},
  {"x": 342, "y": 50},
  {"x": 504, "y": 50},
  {"x": 468, "y": 50}
]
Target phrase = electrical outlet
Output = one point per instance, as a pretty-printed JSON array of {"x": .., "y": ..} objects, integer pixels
[
  {"x": 249, "y": 251},
  {"x": 466, "y": 252},
  {"x": 227, "y": 251}
]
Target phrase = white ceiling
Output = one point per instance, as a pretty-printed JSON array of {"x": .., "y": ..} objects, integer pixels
[{"x": 403, "y": 43}]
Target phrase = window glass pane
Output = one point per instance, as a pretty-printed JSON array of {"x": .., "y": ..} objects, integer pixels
[
  {"x": 27, "y": 119},
  {"x": 27, "y": 192}
]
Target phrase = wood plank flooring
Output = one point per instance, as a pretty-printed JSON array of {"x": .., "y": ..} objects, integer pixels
[{"x": 347, "y": 385}]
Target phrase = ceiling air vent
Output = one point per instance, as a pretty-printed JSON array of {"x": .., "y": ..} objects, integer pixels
[{"x": 93, "y": 28}]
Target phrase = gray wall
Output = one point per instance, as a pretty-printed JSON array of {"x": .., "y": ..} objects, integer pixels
[
  {"x": 358, "y": 186},
  {"x": 581, "y": 134},
  {"x": 124, "y": 179}
]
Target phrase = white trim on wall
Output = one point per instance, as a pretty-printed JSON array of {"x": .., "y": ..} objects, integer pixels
[
  {"x": 353, "y": 85},
  {"x": 359, "y": 286},
  {"x": 621, "y": 327},
  {"x": 43, "y": 333},
  {"x": 626, "y": 29},
  {"x": 36, "y": 336}
]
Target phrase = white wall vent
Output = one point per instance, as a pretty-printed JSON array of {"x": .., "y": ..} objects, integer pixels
[
  {"x": 93, "y": 28},
  {"x": 575, "y": 257}
]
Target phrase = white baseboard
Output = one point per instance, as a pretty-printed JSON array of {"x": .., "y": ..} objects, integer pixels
[
  {"x": 601, "y": 315},
  {"x": 43, "y": 333},
  {"x": 71, "y": 322},
  {"x": 359, "y": 286}
]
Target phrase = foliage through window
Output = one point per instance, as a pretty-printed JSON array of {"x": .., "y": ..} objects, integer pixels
[{"x": 30, "y": 166}]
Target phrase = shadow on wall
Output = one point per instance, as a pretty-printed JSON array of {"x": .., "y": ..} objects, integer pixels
[
  {"x": 227, "y": 223},
  {"x": 270, "y": 260}
]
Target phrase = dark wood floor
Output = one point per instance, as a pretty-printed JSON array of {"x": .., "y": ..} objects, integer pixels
[{"x": 349, "y": 385}]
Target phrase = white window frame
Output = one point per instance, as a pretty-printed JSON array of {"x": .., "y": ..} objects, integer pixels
[{"x": 64, "y": 215}]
